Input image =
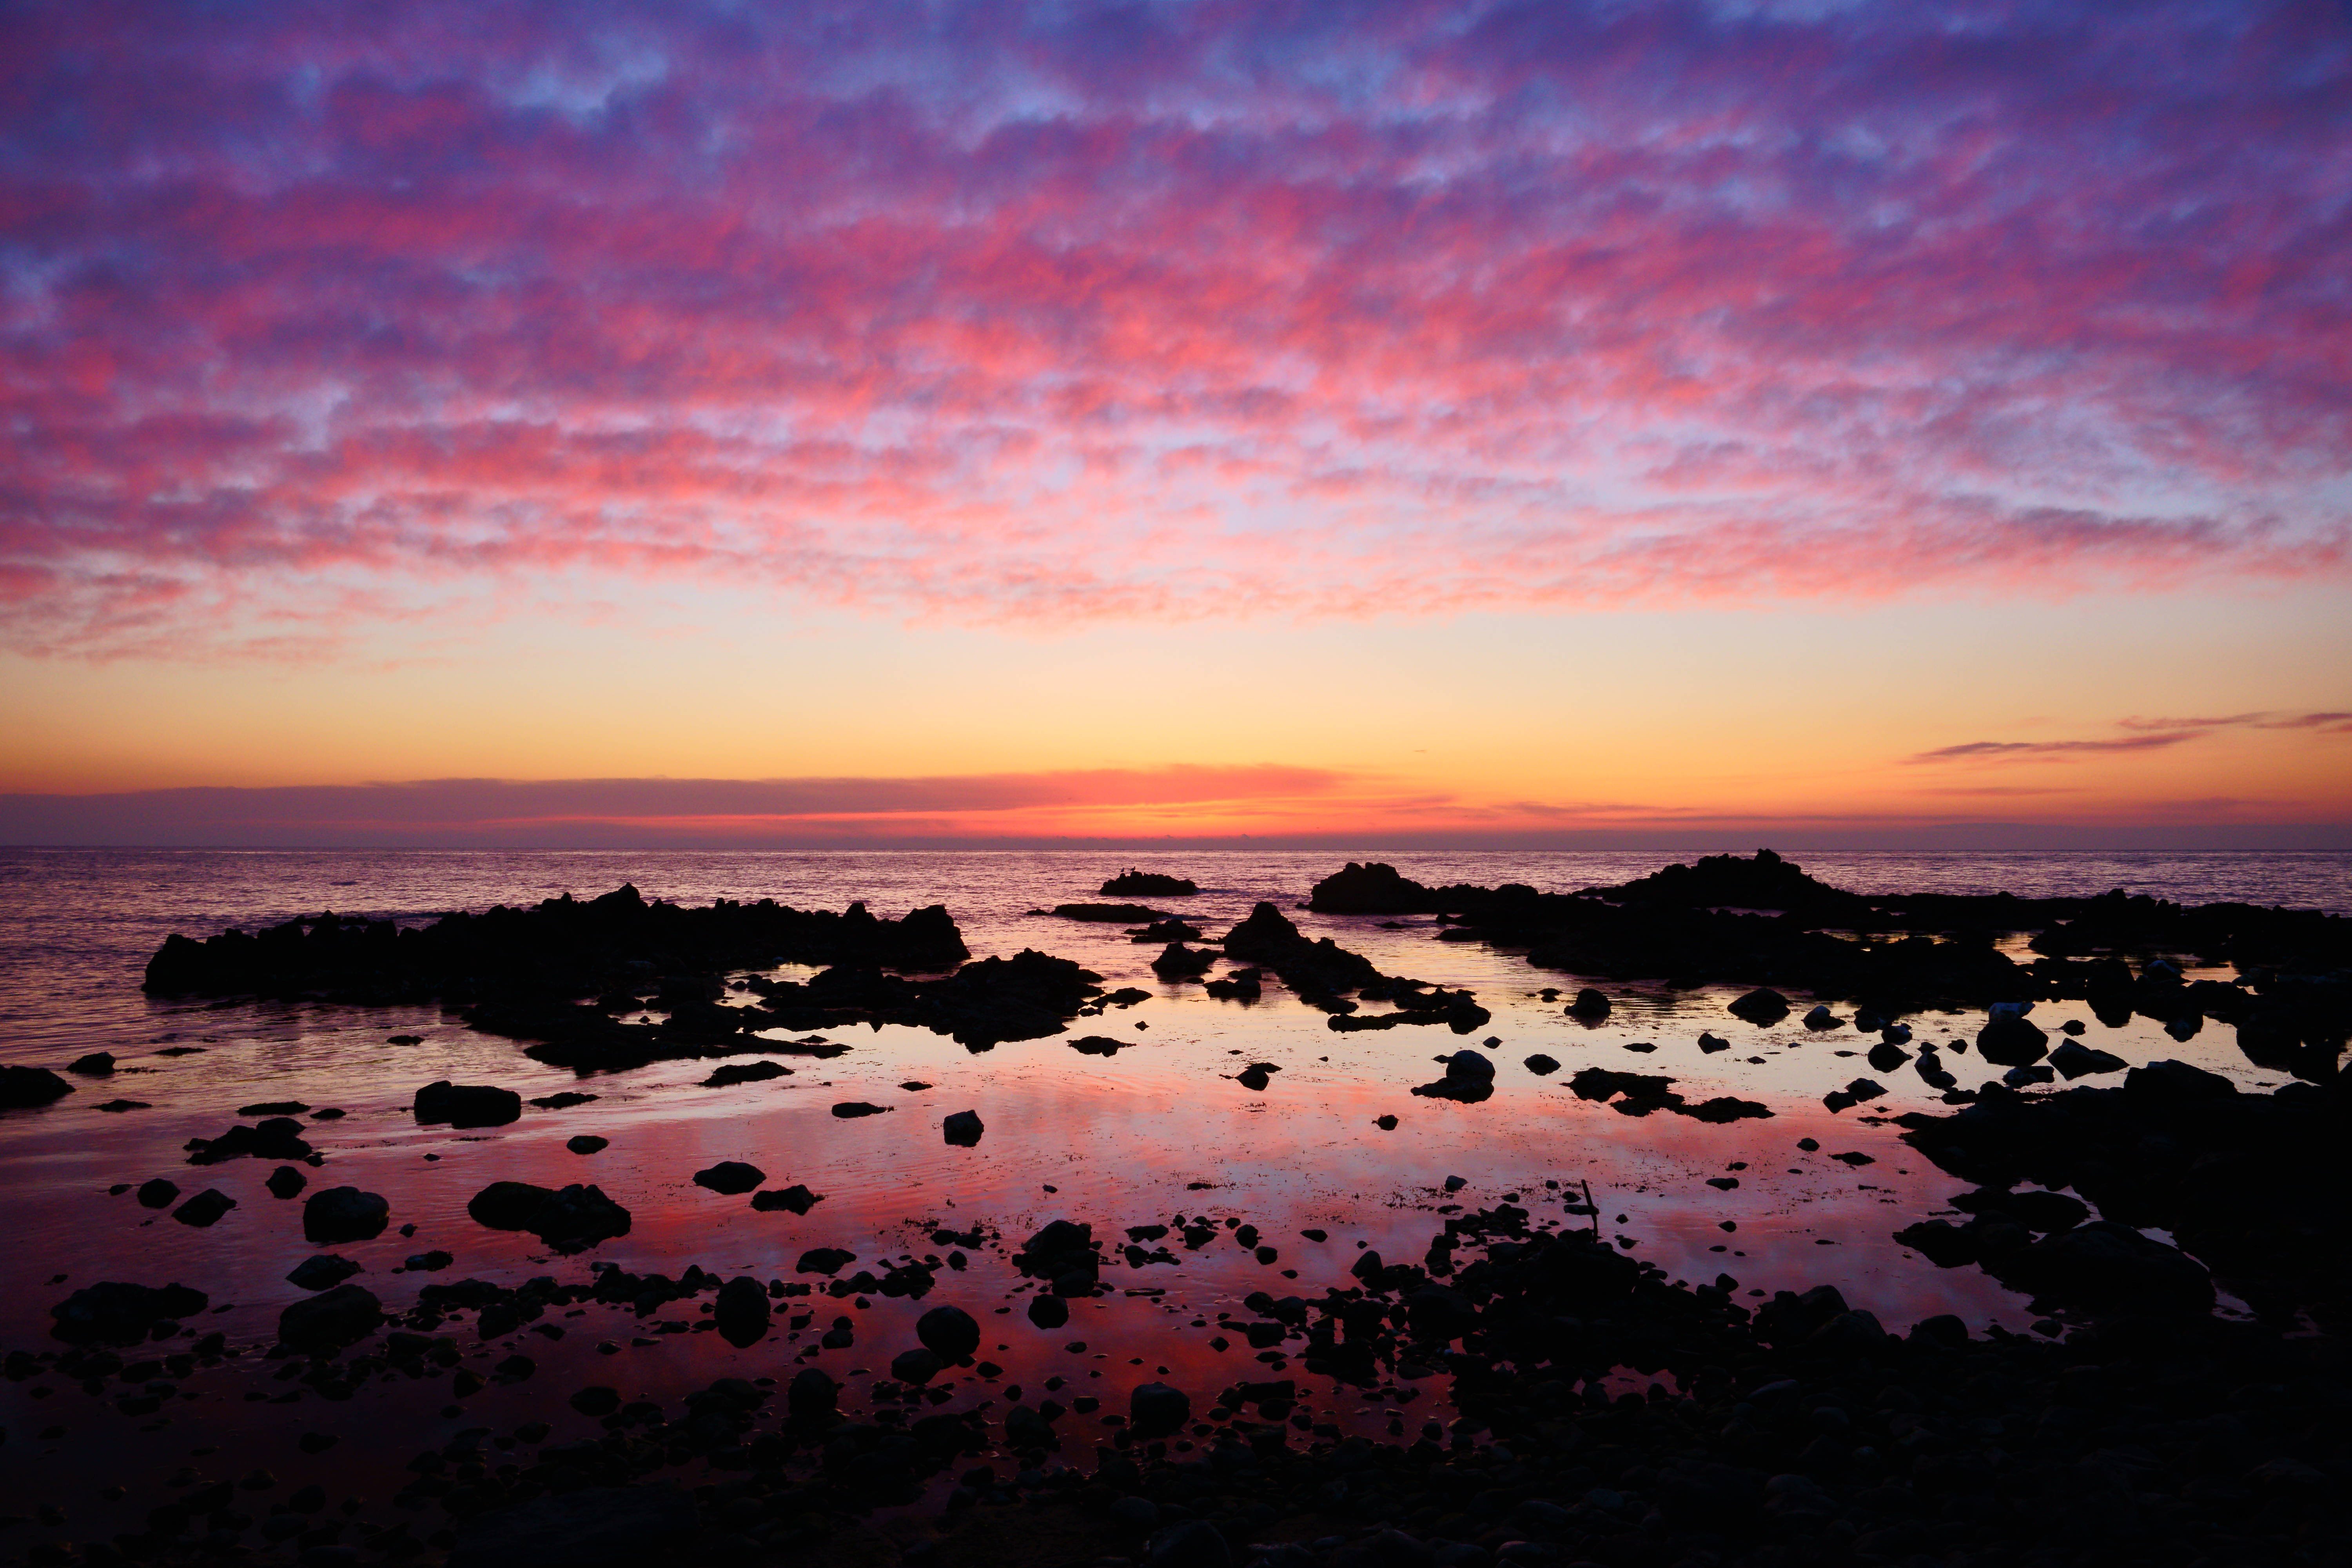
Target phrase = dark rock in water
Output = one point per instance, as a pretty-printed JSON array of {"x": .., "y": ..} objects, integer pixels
[
  {"x": 279, "y": 1138},
  {"x": 849, "y": 1109},
  {"x": 1162, "y": 932},
  {"x": 597, "y": 1527},
  {"x": 2075, "y": 1060},
  {"x": 322, "y": 1271},
  {"x": 2104, "y": 1264},
  {"x": 731, "y": 1177},
  {"x": 570, "y": 1220},
  {"x": 1723, "y": 1108},
  {"x": 204, "y": 1209},
  {"x": 742, "y": 1311},
  {"x": 1590, "y": 1005},
  {"x": 345, "y": 1214},
  {"x": 1885, "y": 1056},
  {"x": 113, "y": 1313},
  {"x": 285, "y": 1182},
  {"x": 1048, "y": 1311},
  {"x": 1154, "y": 1410},
  {"x": 431, "y": 1262},
  {"x": 564, "y": 1100},
  {"x": 1374, "y": 889},
  {"x": 1134, "y": 884},
  {"x": 587, "y": 1143},
  {"x": 1821, "y": 1018},
  {"x": 274, "y": 1108},
  {"x": 1257, "y": 1077},
  {"x": 812, "y": 1395},
  {"x": 1063, "y": 1252},
  {"x": 1762, "y": 1006},
  {"x": 96, "y": 1064},
  {"x": 597, "y": 1401},
  {"x": 917, "y": 1366},
  {"x": 1542, "y": 1065},
  {"x": 1469, "y": 1078},
  {"x": 342, "y": 1316},
  {"x": 962, "y": 1129},
  {"x": 120, "y": 1105},
  {"x": 466, "y": 1104},
  {"x": 746, "y": 1072},
  {"x": 1179, "y": 962},
  {"x": 1468, "y": 1064},
  {"x": 23, "y": 1086},
  {"x": 1710, "y": 1044},
  {"x": 157, "y": 1194},
  {"x": 796, "y": 1198},
  {"x": 950, "y": 1332},
  {"x": 1385, "y": 1123},
  {"x": 1316, "y": 971},
  {"x": 2011, "y": 1040},
  {"x": 1098, "y": 1045},
  {"x": 1111, "y": 914},
  {"x": 1941, "y": 1243},
  {"x": 827, "y": 1260},
  {"x": 1245, "y": 984}
]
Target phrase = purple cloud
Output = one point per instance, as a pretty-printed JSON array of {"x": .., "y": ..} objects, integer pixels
[{"x": 1012, "y": 313}]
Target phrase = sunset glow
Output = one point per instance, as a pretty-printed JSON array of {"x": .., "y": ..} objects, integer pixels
[{"x": 1195, "y": 421}]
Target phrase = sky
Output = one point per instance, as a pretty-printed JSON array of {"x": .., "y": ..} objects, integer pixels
[{"x": 1334, "y": 423}]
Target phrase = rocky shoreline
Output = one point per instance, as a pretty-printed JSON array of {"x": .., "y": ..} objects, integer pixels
[{"x": 1604, "y": 1412}]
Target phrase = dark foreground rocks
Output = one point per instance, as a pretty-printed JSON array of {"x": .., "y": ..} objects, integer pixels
[
  {"x": 113, "y": 1313},
  {"x": 23, "y": 1086},
  {"x": 569, "y": 1219}
]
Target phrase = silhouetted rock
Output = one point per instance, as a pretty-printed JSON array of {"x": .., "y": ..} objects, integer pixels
[
  {"x": 746, "y": 1072},
  {"x": 731, "y": 1177},
  {"x": 2011, "y": 1040},
  {"x": 1155, "y": 1409},
  {"x": 1590, "y": 1005},
  {"x": 850, "y": 1109},
  {"x": 962, "y": 1129},
  {"x": 741, "y": 1310},
  {"x": 466, "y": 1105},
  {"x": 950, "y": 1332},
  {"x": 1110, "y": 914},
  {"x": 321, "y": 1272},
  {"x": 796, "y": 1199},
  {"x": 207, "y": 1208},
  {"x": 120, "y": 1314},
  {"x": 587, "y": 1143},
  {"x": 340, "y": 1317},
  {"x": 285, "y": 1182},
  {"x": 22, "y": 1087},
  {"x": 1048, "y": 1311},
  {"x": 1181, "y": 963},
  {"x": 1542, "y": 1065},
  {"x": 569, "y": 1219},
  {"x": 96, "y": 1064},
  {"x": 1763, "y": 1006},
  {"x": 345, "y": 1214},
  {"x": 157, "y": 1192},
  {"x": 1134, "y": 884},
  {"x": 2074, "y": 1059}
]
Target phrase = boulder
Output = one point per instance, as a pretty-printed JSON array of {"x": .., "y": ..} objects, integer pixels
[
  {"x": 794, "y": 1199},
  {"x": 570, "y": 1220},
  {"x": 1541, "y": 1065},
  {"x": 2074, "y": 1059},
  {"x": 732, "y": 1177},
  {"x": 812, "y": 1395},
  {"x": 204, "y": 1209},
  {"x": 23, "y": 1086},
  {"x": 1821, "y": 1018},
  {"x": 917, "y": 1366},
  {"x": 950, "y": 1332},
  {"x": 1154, "y": 1410},
  {"x": 96, "y": 1064},
  {"x": 157, "y": 1194},
  {"x": 1177, "y": 962},
  {"x": 342, "y": 1316},
  {"x": 849, "y": 1109},
  {"x": 825, "y": 1260},
  {"x": 2104, "y": 1264},
  {"x": 746, "y": 1072},
  {"x": 322, "y": 1271},
  {"x": 1589, "y": 1006},
  {"x": 113, "y": 1313},
  {"x": 1471, "y": 1065},
  {"x": 345, "y": 1214},
  {"x": 962, "y": 1129},
  {"x": 587, "y": 1143},
  {"x": 1048, "y": 1311},
  {"x": 1134, "y": 884},
  {"x": 285, "y": 1182},
  {"x": 1885, "y": 1056},
  {"x": 2011, "y": 1039},
  {"x": 742, "y": 1311},
  {"x": 1762, "y": 1006},
  {"x": 466, "y": 1104}
]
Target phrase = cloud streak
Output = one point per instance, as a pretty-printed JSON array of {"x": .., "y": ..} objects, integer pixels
[
  {"x": 313, "y": 316},
  {"x": 2147, "y": 735}
]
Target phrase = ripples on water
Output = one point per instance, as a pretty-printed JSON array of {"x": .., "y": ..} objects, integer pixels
[{"x": 1124, "y": 1140}]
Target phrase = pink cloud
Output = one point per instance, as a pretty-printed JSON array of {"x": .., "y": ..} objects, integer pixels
[{"x": 1011, "y": 316}]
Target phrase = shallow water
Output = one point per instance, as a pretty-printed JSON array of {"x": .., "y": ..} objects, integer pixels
[{"x": 1115, "y": 1141}]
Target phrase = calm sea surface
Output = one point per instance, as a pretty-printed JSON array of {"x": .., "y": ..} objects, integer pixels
[{"x": 1157, "y": 1131}]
